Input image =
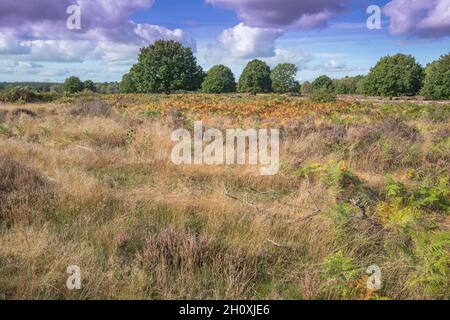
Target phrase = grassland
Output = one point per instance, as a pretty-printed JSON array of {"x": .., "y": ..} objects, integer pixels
[{"x": 88, "y": 181}]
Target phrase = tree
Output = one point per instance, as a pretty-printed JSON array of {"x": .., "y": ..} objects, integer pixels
[
  {"x": 394, "y": 76},
  {"x": 219, "y": 79},
  {"x": 306, "y": 88},
  {"x": 322, "y": 90},
  {"x": 127, "y": 85},
  {"x": 322, "y": 83},
  {"x": 89, "y": 85},
  {"x": 348, "y": 85},
  {"x": 437, "y": 79},
  {"x": 73, "y": 85},
  {"x": 283, "y": 78},
  {"x": 255, "y": 78},
  {"x": 166, "y": 66}
]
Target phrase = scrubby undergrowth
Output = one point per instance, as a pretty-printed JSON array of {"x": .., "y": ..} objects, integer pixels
[{"x": 90, "y": 183}]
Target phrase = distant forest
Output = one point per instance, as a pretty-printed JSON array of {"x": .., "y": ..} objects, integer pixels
[{"x": 106, "y": 87}]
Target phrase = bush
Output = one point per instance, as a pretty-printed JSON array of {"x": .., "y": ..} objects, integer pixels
[
  {"x": 323, "y": 96},
  {"x": 321, "y": 83},
  {"x": 89, "y": 85},
  {"x": 25, "y": 194},
  {"x": 94, "y": 108},
  {"x": 73, "y": 85},
  {"x": 166, "y": 66},
  {"x": 348, "y": 85},
  {"x": 127, "y": 85},
  {"x": 306, "y": 88},
  {"x": 322, "y": 90},
  {"x": 255, "y": 78},
  {"x": 283, "y": 78},
  {"x": 219, "y": 79},
  {"x": 394, "y": 76},
  {"x": 437, "y": 79},
  {"x": 19, "y": 95}
]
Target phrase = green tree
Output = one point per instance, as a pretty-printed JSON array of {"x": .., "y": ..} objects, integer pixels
[
  {"x": 255, "y": 78},
  {"x": 89, "y": 85},
  {"x": 127, "y": 85},
  {"x": 219, "y": 79},
  {"x": 348, "y": 85},
  {"x": 322, "y": 83},
  {"x": 306, "y": 87},
  {"x": 166, "y": 66},
  {"x": 394, "y": 76},
  {"x": 73, "y": 85},
  {"x": 437, "y": 79},
  {"x": 283, "y": 78}
]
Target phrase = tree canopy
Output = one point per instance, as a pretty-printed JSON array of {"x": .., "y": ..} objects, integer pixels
[
  {"x": 283, "y": 78},
  {"x": 165, "y": 66},
  {"x": 255, "y": 78},
  {"x": 437, "y": 79},
  {"x": 394, "y": 76},
  {"x": 219, "y": 79},
  {"x": 73, "y": 85}
]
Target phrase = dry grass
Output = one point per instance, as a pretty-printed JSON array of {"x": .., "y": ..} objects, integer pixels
[{"x": 86, "y": 184}]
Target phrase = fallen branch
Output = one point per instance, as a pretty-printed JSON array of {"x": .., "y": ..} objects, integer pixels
[{"x": 276, "y": 244}]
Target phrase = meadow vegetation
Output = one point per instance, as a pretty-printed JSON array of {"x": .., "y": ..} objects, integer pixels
[{"x": 87, "y": 180}]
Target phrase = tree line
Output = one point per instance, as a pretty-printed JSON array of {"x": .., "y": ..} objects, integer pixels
[{"x": 167, "y": 66}]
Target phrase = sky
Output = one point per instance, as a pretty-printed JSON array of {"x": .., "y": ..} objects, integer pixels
[{"x": 321, "y": 36}]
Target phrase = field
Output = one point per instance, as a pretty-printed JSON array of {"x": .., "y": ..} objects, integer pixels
[{"x": 87, "y": 180}]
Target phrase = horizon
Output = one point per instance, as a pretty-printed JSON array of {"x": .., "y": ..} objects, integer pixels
[{"x": 328, "y": 37}]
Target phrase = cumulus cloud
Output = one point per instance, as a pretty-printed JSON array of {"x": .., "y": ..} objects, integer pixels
[
  {"x": 247, "y": 42},
  {"x": 422, "y": 18},
  {"x": 304, "y": 14},
  {"x": 37, "y": 29},
  {"x": 264, "y": 21}
]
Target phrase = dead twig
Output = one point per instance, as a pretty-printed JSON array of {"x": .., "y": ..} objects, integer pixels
[{"x": 279, "y": 245}]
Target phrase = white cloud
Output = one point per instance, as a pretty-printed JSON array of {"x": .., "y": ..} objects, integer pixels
[{"x": 242, "y": 42}]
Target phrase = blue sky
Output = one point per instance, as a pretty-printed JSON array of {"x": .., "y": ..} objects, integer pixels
[{"x": 321, "y": 37}]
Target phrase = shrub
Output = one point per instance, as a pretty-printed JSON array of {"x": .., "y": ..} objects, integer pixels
[
  {"x": 306, "y": 88},
  {"x": 19, "y": 95},
  {"x": 127, "y": 85},
  {"x": 94, "y": 108},
  {"x": 323, "y": 96},
  {"x": 283, "y": 78},
  {"x": 166, "y": 66},
  {"x": 437, "y": 79},
  {"x": 24, "y": 192},
  {"x": 322, "y": 83},
  {"x": 348, "y": 85},
  {"x": 394, "y": 76},
  {"x": 219, "y": 79},
  {"x": 89, "y": 85},
  {"x": 73, "y": 85},
  {"x": 255, "y": 78}
]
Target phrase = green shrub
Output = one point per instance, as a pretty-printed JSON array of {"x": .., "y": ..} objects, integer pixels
[
  {"x": 323, "y": 95},
  {"x": 306, "y": 88},
  {"x": 394, "y": 76},
  {"x": 73, "y": 85},
  {"x": 255, "y": 78},
  {"x": 321, "y": 83},
  {"x": 89, "y": 85},
  {"x": 322, "y": 90},
  {"x": 437, "y": 79},
  {"x": 18, "y": 95},
  {"x": 219, "y": 79},
  {"x": 433, "y": 262},
  {"x": 127, "y": 85},
  {"x": 348, "y": 85}
]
